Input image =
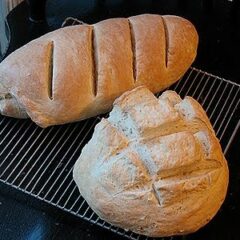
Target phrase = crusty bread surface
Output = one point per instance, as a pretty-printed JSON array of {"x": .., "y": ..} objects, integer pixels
[
  {"x": 77, "y": 72},
  {"x": 154, "y": 166}
]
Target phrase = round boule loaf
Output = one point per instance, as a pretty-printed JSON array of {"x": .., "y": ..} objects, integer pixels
[{"x": 154, "y": 166}]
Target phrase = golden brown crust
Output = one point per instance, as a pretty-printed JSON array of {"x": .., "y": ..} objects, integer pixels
[
  {"x": 148, "y": 31},
  {"x": 169, "y": 181},
  {"x": 180, "y": 33},
  {"x": 76, "y": 72},
  {"x": 114, "y": 60}
]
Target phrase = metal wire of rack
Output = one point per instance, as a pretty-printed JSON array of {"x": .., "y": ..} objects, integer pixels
[{"x": 39, "y": 161}]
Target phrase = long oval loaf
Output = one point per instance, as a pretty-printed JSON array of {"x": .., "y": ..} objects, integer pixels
[{"x": 77, "y": 72}]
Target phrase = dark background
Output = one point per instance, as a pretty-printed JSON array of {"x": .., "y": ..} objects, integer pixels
[{"x": 218, "y": 24}]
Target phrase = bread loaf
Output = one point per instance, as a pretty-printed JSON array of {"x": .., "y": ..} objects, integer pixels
[
  {"x": 154, "y": 166},
  {"x": 77, "y": 72}
]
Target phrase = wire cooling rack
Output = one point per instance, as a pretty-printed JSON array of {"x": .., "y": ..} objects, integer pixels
[{"x": 39, "y": 161}]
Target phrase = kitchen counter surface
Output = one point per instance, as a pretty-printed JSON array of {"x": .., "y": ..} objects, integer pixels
[{"x": 25, "y": 218}]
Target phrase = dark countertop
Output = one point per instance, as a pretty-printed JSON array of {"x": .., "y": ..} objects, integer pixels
[{"x": 23, "y": 217}]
